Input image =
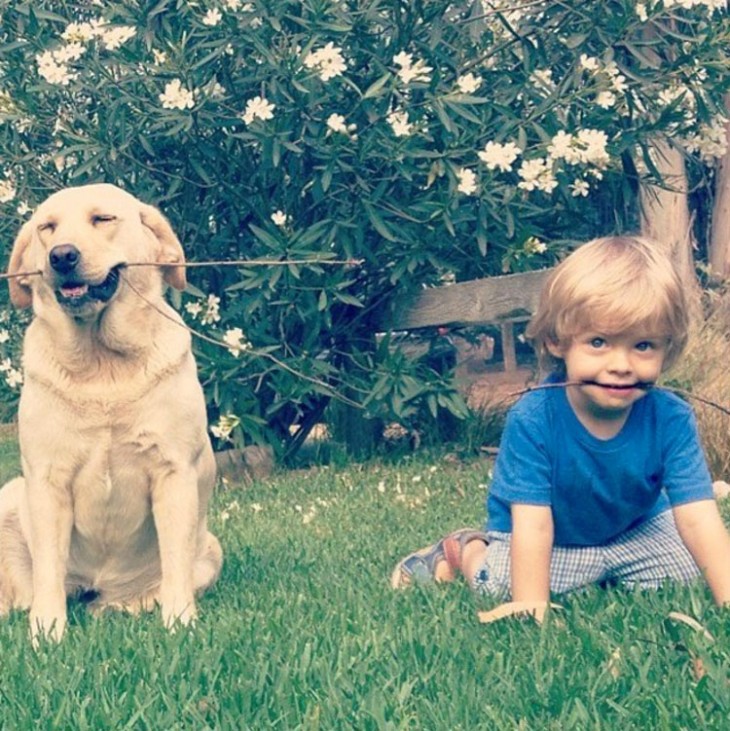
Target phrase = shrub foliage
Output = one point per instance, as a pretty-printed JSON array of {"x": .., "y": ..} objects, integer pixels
[{"x": 427, "y": 140}]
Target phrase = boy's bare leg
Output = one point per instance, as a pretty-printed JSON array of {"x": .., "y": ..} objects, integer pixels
[
  {"x": 473, "y": 558},
  {"x": 462, "y": 551}
]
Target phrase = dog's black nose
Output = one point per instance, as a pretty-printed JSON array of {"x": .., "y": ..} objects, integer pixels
[{"x": 64, "y": 258}]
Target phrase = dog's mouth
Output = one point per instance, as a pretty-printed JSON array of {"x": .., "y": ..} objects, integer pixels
[{"x": 74, "y": 293}]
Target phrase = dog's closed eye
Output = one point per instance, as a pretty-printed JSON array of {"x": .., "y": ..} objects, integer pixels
[{"x": 102, "y": 218}]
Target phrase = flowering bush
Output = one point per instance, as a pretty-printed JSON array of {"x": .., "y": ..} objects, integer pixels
[{"x": 426, "y": 139}]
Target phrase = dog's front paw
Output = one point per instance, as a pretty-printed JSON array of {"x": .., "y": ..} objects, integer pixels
[
  {"x": 46, "y": 626},
  {"x": 179, "y": 613}
]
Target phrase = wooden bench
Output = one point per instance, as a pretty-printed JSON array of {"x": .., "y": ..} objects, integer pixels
[{"x": 501, "y": 301}]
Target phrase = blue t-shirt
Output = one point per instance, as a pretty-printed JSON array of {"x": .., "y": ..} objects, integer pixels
[{"x": 597, "y": 488}]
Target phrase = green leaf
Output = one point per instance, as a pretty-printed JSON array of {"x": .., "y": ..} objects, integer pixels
[
  {"x": 377, "y": 88},
  {"x": 265, "y": 237},
  {"x": 378, "y": 223}
]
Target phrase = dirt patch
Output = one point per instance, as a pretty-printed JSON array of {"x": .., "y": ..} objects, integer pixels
[{"x": 497, "y": 387}]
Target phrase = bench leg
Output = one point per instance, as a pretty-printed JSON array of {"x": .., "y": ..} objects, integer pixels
[{"x": 508, "y": 347}]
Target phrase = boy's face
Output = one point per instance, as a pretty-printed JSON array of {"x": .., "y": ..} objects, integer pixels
[{"x": 610, "y": 371}]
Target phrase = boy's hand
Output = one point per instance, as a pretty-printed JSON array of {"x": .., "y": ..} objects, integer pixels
[{"x": 703, "y": 532}]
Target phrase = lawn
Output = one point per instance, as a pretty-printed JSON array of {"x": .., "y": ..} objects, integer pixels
[{"x": 303, "y": 632}]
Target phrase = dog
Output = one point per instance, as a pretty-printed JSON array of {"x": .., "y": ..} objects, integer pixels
[{"x": 117, "y": 465}]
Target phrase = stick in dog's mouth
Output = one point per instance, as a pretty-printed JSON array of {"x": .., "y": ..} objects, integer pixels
[{"x": 78, "y": 293}]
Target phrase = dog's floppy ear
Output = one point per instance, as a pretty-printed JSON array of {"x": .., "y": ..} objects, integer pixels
[
  {"x": 21, "y": 294},
  {"x": 169, "y": 250}
]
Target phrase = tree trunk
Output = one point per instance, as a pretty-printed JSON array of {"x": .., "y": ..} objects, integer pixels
[
  {"x": 666, "y": 219},
  {"x": 719, "y": 256}
]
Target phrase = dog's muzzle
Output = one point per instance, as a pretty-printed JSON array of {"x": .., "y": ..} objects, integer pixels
[{"x": 71, "y": 289}]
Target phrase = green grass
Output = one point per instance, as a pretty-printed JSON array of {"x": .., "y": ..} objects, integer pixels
[{"x": 303, "y": 632}]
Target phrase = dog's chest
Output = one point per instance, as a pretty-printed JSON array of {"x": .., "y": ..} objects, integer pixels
[{"x": 111, "y": 491}]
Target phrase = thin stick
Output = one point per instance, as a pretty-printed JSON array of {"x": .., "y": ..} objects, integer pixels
[
  {"x": 645, "y": 386},
  {"x": 230, "y": 263},
  {"x": 220, "y": 343},
  {"x": 252, "y": 263},
  {"x": 21, "y": 274}
]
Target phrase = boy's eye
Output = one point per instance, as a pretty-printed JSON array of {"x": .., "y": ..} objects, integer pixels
[
  {"x": 644, "y": 345},
  {"x": 597, "y": 342}
]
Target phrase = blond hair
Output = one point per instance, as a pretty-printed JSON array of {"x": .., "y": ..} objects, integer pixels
[{"x": 611, "y": 285}]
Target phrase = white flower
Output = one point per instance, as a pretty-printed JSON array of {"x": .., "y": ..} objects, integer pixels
[
  {"x": 467, "y": 181},
  {"x": 641, "y": 12},
  {"x": 257, "y": 507},
  {"x": 606, "y": 99},
  {"x": 592, "y": 143},
  {"x": 225, "y": 426},
  {"x": 177, "y": 97},
  {"x": 328, "y": 61},
  {"x": 212, "y": 310},
  {"x": 468, "y": 83},
  {"x": 53, "y": 71},
  {"x": 417, "y": 72},
  {"x": 212, "y": 17},
  {"x": 561, "y": 148},
  {"x": 193, "y": 309},
  {"x": 23, "y": 208},
  {"x": 537, "y": 174},
  {"x": 689, "y": 4},
  {"x": 4, "y": 336},
  {"x": 336, "y": 122},
  {"x": 410, "y": 71},
  {"x": 14, "y": 378},
  {"x": 216, "y": 90},
  {"x": 398, "y": 120},
  {"x": 113, "y": 38},
  {"x": 69, "y": 52},
  {"x": 7, "y": 191},
  {"x": 159, "y": 56},
  {"x": 81, "y": 32},
  {"x": 279, "y": 218},
  {"x": 258, "y": 108},
  {"x": 236, "y": 341},
  {"x": 589, "y": 63},
  {"x": 403, "y": 59},
  {"x": 711, "y": 141},
  {"x": 543, "y": 77},
  {"x": 497, "y": 155},
  {"x": 588, "y": 146},
  {"x": 618, "y": 82},
  {"x": 579, "y": 188},
  {"x": 676, "y": 91},
  {"x": 533, "y": 245}
]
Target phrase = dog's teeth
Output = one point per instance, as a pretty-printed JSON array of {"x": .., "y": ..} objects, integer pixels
[{"x": 72, "y": 292}]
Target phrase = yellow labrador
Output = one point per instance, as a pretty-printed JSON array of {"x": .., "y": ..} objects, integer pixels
[{"x": 117, "y": 465}]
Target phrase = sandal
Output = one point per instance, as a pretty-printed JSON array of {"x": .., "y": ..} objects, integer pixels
[{"x": 420, "y": 567}]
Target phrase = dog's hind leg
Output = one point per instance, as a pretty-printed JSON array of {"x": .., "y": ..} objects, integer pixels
[{"x": 16, "y": 564}]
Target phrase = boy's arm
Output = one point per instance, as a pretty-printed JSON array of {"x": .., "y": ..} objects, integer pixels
[
  {"x": 531, "y": 549},
  {"x": 703, "y": 532}
]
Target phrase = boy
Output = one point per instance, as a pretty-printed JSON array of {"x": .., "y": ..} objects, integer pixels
[{"x": 599, "y": 477}]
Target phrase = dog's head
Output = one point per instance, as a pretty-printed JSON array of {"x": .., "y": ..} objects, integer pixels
[{"x": 80, "y": 239}]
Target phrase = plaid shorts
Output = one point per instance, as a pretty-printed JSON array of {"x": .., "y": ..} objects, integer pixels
[{"x": 645, "y": 556}]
